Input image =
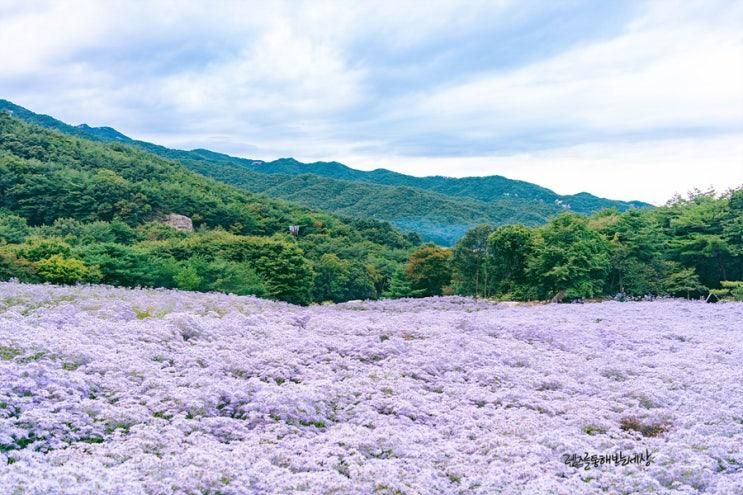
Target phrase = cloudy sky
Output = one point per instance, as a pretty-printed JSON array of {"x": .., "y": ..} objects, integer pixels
[{"x": 624, "y": 99}]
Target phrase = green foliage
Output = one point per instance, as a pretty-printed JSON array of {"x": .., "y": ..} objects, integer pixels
[
  {"x": 124, "y": 265},
  {"x": 400, "y": 287},
  {"x": 731, "y": 290},
  {"x": 38, "y": 248},
  {"x": 687, "y": 248},
  {"x": 13, "y": 267},
  {"x": 637, "y": 266},
  {"x": 100, "y": 205},
  {"x": 510, "y": 247},
  {"x": 440, "y": 209},
  {"x": 201, "y": 274},
  {"x": 570, "y": 259},
  {"x": 705, "y": 233},
  {"x": 383, "y": 233},
  {"x": 13, "y": 229},
  {"x": 428, "y": 270},
  {"x": 286, "y": 273},
  {"x": 81, "y": 210},
  {"x": 60, "y": 270},
  {"x": 187, "y": 278},
  {"x": 233, "y": 278},
  {"x": 472, "y": 263},
  {"x": 342, "y": 280},
  {"x": 158, "y": 231},
  {"x": 683, "y": 282},
  {"x": 332, "y": 274},
  {"x": 280, "y": 263}
]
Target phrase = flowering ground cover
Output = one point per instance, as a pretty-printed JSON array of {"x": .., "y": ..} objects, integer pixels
[{"x": 116, "y": 391}]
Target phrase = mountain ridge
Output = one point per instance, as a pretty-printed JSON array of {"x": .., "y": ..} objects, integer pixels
[{"x": 439, "y": 208}]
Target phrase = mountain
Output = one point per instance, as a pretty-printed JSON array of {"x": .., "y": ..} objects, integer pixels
[
  {"x": 489, "y": 188},
  {"x": 91, "y": 209},
  {"x": 440, "y": 209},
  {"x": 103, "y": 133}
]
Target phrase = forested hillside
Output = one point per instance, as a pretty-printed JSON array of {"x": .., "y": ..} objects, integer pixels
[
  {"x": 440, "y": 209},
  {"x": 487, "y": 189},
  {"x": 437, "y": 218},
  {"x": 688, "y": 248},
  {"x": 75, "y": 210}
]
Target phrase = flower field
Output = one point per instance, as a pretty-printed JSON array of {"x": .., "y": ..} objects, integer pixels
[{"x": 117, "y": 391}]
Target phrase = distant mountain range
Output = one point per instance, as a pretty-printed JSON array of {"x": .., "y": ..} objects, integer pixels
[{"x": 440, "y": 209}]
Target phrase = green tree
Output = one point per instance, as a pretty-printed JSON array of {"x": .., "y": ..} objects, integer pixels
[
  {"x": 732, "y": 230},
  {"x": 428, "y": 270},
  {"x": 683, "y": 282},
  {"x": 187, "y": 278},
  {"x": 13, "y": 229},
  {"x": 286, "y": 273},
  {"x": 234, "y": 278},
  {"x": 12, "y": 267},
  {"x": 571, "y": 260},
  {"x": 331, "y": 277},
  {"x": 510, "y": 249},
  {"x": 37, "y": 249},
  {"x": 471, "y": 263},
  {"x": 700, "y": 235},
  {"x": 400, "y": 287},
  {"x": 360, "y": 284},
  {"x": 158, "y": 231},
  {"x": 341, "y": 280},
  {"x": 60, "y": 270},
  {"x": 637, "y": 247},
  {"x": 120, "y": 264}
]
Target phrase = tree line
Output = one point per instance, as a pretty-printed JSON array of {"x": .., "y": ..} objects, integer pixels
[
  {"x": 77, "y": 211},
  {"x": 690, "y": 247}
]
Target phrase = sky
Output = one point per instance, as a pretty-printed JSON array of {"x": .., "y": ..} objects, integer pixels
[{"x": 623, "y": 99}]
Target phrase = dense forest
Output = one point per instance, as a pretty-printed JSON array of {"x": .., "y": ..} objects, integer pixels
[
  {"x": 73, "y": 210},
  {"x": 688, "y": 248},
  {"x": 439, "y": 209},
  {"x": 435, "y": 217}
]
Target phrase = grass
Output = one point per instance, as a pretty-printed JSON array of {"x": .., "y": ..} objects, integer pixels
[
  {"x": 8, "y": 353},
  {"x": 593, "y": 430}
]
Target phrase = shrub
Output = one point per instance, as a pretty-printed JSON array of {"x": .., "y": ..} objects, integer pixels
[
  {"x": 37, "y": 249},
  {"x": 12, "y": 267},
  {"x": 60, "y": 270},
  {"x": 13, "y": 229},
  {"x": 732, "y": 290}
]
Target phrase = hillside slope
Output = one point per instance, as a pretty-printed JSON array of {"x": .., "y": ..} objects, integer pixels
[
  {"x": 440, "y": 209},
  {"x": 488, "y": 188},
  {"x": 95, "y": 204}
]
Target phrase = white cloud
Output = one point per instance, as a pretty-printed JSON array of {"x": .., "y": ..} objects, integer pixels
[
  {"x": 282, "y": 73},
  {"x": 683, "y": 75},
  {"x": 661, "y": 95},
  {"x": 651, "y": 171}
]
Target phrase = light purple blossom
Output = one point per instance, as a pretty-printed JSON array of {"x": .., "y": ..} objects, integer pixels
[{"x": 116, "y": 391}]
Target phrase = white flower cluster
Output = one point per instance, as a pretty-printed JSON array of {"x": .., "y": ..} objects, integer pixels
[{"x": 116, "y": 391}]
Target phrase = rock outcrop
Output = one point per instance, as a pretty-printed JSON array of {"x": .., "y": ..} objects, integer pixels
[{"x": 179, "y": 222}]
